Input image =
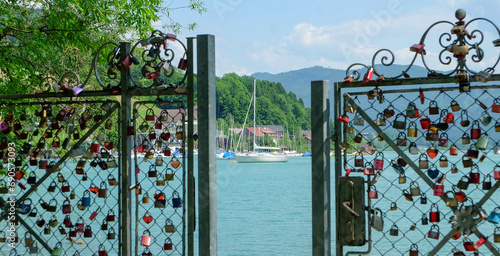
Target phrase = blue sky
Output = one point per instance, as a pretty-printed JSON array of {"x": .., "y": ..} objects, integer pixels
[{"x": 278, "y": 36}]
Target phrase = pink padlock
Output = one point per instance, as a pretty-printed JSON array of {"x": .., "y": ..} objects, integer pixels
[{"x": 146, "y": 238}]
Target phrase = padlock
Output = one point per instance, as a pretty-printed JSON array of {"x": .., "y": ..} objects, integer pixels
[
  {"x": 496, "y": 235},
  {"x": 104, "y": 224},
  {"x": 467, "y": 162},
  {"x": 398, "y": 124},
  {"x": 443, "y": 161},
  {"x": 414, "y": 188},
  {"x": 358, "y": 120},
  {"x": 407, "y": 195},
  {"x": 423, "y": 199},
  {"x": 380, "y": 121},
  {"x": 62, "y": 230},
  {"x": 94, "y": 213},
  {"x": 25, "y": 206},
  {"x": 433, "y": 232},
  {"x": 52, "y": 187},
  {"x": 176, "y": 200},
  {"x": 434, "y": 214},
  {"x": 86, "y": 198},
  {"x": 40, "y": 222},
  {"x": 88, "y": 231},
  {"x": 66, "y": 207},
  {"x": 111, "y": 234},
  {"x": 376, "y": 221},
  {"x": 52, "y": 206},
  {"x": 169, "y": 174},
  {"x": 358, "y": 160},
  {"x": 454, "y": 106},
  {"x": 167, "y": 245},
  {"x": 394, "y": 231},
  {"x": 57, "y": 251},
  {"x": 413, "y": 148},
  {"x": 496, "y": 172},
  {"x": 358, "y": 138},
  {"x": 102, "y": 251},
  {"x": 453, "y": 150},
  {"x": 67, "y": 221},
  {"x": 425, "y": 220},
  {"x": 160, "y": 180},
  {"x": 138, "y": 189},
  {"x": 103, "y": 190},
  {"x": 457, "y": 252},
  {"x": 423, "y": 161},
  {"x": 438, "y": 189},
  {"x": 111, "y": 216},
  {"x": 451, "y": 201},
  {"x": 145, "y": 198},
  {"x": 474, "y": 177},
  {"x": 401, "y": 140},
  {"x": 447, "y": 118},
  {"x": 431, "y": 136},
  {"x": 394, "y": 207},
  {"x": 494, "y": 216},
  {"x": 411, "y": 110},
  {"x": 160, "y": 200},
  {"x": 33, "y": 248},
  {"x": 112, "y": 180},
  {"x": 433, "y": 108},
  {"x": 146, "y": 238},
  {"x": 479, "y": 243},
  {"x": 47, "y": 230},
  {"x": 482, "y": 142},
  {"x": 485, "y": 118},
  {"x": 402, "y": 178},
  {"x": 459, "y": 194},
  {"x": 169, "y": 226},
  {"x": 150, "y": 115},
  {"x": 468, "y": 245},
  {"x": 152, "y": 173},
  {"x": 72, "y": 232},
  {"x": 79, "y": 225},
  {"x": 475, "y": 131}
]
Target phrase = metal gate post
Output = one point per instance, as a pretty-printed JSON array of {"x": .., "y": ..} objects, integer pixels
[
  {"x": 207, "y": 169},
  {"x": 320, "y": 109},
  {"x": 126, "y": 148},
  {"x": 191, "y": 183}
]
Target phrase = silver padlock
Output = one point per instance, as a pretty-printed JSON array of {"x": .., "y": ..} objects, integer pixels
[{"x": 376, "y": 221}]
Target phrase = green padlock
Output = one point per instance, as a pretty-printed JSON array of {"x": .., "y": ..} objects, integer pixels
[{"x": 57, "y": 250}]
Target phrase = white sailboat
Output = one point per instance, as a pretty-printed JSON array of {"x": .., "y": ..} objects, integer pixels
[{"x": 260, "y": 154}]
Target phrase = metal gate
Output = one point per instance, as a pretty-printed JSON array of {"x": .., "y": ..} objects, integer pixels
[
  {"x": 68, "y": 180},
  {"x": 419, "y": 170}
]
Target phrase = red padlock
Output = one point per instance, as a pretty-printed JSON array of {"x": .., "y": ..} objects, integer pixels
[
  {"x": 453, "y": 150},
  {"x": 111, "y": 216},
  {"x": 435, "y": 215},
  {"x": 94, "y": 147},
  {"x": 496, "y": 173},
  {"x": 457, "y": 252},
  {"x": 167, "y": 246},
  {"x": 94, "y": 214},
  {"x": 475, "y": 133},
  {"x": 378, "y": 162},
  {"x": 67, "y": 221},
  {"x": 438, "y": 189},
  {"x": 368, "y": 169},
  {"x": 496, "y": 106},
  {"x": 372, "y": 192},
  {"x": 344, "y": 119},
  {"x": 468, "y": 245},
  {"x": 456, "y": 236},
  {"x": 79, "y": 225},
  {"x": 42, "y": 164},
  {"x": 146, "y": 238},
  {"x": 102, "y": 251},
  {"x": 474, "y": 177},
  {"x": 368, "y": 76},
  {"x": 480, "y": 242}
]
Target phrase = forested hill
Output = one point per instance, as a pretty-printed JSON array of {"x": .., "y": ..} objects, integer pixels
[
  {"x": 299, "y": 81},
  {"x": 275, "y": 106}
]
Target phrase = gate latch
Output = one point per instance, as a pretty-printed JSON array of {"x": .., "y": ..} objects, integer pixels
[{"x": 352, "y": 226}]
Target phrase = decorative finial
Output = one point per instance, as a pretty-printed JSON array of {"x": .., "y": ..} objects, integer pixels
[{"x": 460, "y": 14}]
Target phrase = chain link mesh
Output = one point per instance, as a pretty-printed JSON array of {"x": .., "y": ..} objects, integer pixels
[
  {"x": 160, "y": 178},
  {"x": 43, "y": 135},
  {"x": 403, "y": 215}
]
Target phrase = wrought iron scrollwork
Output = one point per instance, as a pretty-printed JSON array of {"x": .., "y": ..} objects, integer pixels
[
  {"x": 456, "y": 44},
  {"x": 158, "y": 57}
]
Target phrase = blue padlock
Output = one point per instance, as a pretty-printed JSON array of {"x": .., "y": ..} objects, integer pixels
[
  {"x": 494, "y": 216},
  {"x": 25, "y": 207},
  {"x": 176, "y": 200},
  {"x": 86, "y": 199}
]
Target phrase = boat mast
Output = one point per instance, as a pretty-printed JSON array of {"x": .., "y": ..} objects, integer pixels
[{"x": 254, "y": 102}]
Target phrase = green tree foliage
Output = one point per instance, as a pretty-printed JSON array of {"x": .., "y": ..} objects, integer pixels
[
  {"x": 40, "y": 38},
  {"x": 274, "y": 105}
]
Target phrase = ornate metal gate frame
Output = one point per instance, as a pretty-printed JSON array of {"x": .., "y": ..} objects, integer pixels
[
  {"x": 405, "y": 192},
  {"x": 91, "y": 140}
]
